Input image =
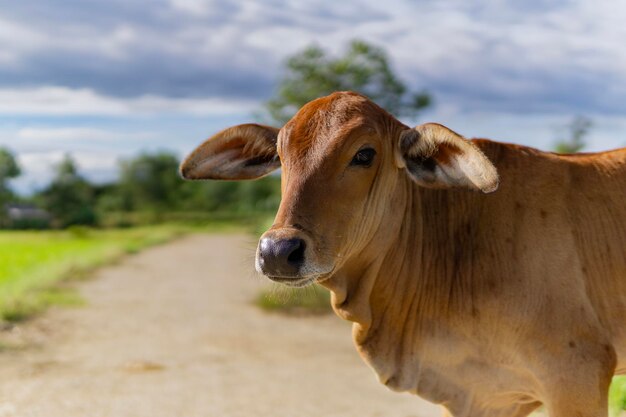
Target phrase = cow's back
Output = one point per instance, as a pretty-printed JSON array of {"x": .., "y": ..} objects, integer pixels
[
  {"x": 597, "y": 209},
  {"x": 575, "y": 208}
]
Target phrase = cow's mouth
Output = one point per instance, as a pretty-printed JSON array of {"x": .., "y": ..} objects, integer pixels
[{"x": 299, "y": 281}]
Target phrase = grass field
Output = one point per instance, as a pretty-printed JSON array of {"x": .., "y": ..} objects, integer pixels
[{"x": 34, "y": 265}]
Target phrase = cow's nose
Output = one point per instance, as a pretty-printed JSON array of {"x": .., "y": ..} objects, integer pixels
[{"x": 281, "y": 257}]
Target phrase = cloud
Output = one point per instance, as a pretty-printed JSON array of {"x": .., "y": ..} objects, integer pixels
[
  {"x": 564, "y": 58},
  {"x": 69, "y": 134},
  {"x": 63, "y": 101},
  {"x": 95, "y": 150},
  {"x": 42, "y": 162},
  {"x": 55, "y": 140},
  {"x": 38, "y": 167},
  {"x": 536, "y": 56}
]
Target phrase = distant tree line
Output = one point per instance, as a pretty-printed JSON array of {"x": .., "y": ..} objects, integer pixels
[{"x": 148, "y": 189}]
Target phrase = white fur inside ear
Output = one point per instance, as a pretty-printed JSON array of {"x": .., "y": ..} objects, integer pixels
[
  {"x": 438, "y": 157},
  {"x": 473, "y": 170}
]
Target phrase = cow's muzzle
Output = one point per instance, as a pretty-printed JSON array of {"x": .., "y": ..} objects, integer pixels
[
  {"x": 281, "y": 257},
  {"x": 286, "y": 255}
]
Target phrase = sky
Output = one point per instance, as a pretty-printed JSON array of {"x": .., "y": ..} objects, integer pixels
[{"x": 107, "y": 79}]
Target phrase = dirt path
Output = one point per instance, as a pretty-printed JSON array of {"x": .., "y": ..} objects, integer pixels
[{"x": 171, "y": 332}]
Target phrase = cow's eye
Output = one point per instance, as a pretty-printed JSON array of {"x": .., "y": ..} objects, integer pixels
[{"x": 364, "y": 157}]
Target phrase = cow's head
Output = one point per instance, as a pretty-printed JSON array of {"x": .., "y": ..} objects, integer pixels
[{"x": 347, "y": 168}]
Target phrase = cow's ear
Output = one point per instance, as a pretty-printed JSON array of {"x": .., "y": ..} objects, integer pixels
[
  {"x": 437, "y": 157},
  {"x": 238, "y": 153}
]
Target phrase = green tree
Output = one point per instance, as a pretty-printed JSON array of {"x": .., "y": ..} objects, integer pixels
[
  {"x": 8, "y": 169},
  {"x": 69, "y": 197},
  {"x": 150, "y": 186},
  {"x": 150, "y": 182},
  {"x": 364, "y": 68},
  {"x": 211, "y": 195},
  {"x": 259, "y": 195},
  {"x": 578, "y": 128}
]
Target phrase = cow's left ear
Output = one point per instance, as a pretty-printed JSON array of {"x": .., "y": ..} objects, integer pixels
[
  {"x": 436, "y": 157},
  {"x": 241, "y": 152}
]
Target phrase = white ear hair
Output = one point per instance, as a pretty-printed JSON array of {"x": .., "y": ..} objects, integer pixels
[{"x": 437, "y": 157}]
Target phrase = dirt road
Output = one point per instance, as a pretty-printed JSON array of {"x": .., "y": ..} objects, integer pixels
[{"x": 171, "y": 332}]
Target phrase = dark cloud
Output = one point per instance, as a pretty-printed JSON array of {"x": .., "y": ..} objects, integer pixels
[
  {"x": 152, "y": 61},
  {"x": 148, "y": 73},
  {"x": 204, "y": 50},
  {"x": 531, "y": 92},
  {"x": 540, "y": 55}
]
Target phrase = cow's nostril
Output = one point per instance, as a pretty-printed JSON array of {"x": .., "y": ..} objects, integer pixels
[{"x": 296, "y": 257}]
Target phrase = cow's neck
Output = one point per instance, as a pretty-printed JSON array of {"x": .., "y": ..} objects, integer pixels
[
  {"x": 354, "y": 286},
  {"x": 408, "y": 283}
]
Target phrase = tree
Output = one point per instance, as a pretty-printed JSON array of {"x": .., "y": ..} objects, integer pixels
[
  {"x": 364, "y": 68},
  {"x": 8, "y": 169},
  {"x": 150, "y": 182},
  {"x": 578, "y": 129},
  {"x": 69, "y": 197}
]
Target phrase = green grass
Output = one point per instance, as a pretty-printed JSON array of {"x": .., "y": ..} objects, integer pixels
[
  {"x": 34, "y": 263},
  {"x": 295, "y": 301},
  {"x": 617, "y": 396}
]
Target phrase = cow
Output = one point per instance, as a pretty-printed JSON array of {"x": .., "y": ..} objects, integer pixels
[{"x": 486, "y": 277}]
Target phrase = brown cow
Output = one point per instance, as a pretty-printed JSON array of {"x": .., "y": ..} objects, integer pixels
[{"x": 489, "y": 304}]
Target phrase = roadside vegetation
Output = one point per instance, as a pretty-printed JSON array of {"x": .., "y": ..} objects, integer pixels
[
  {"x": 617, "y": 397},
  {"x": 72, "y": 226},
  {"x": 35, "y": 266}
]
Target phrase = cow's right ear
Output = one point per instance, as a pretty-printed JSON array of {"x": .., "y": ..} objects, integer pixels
[{"x": 238, "y": 153}]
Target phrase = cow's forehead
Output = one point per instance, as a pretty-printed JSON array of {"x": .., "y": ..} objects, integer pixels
[{"x": 328, "y": 121}]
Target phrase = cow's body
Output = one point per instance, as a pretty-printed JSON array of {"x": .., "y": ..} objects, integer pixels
[
  {"x": 482, "y": 300},
  {"x": 487, "y": 304}
]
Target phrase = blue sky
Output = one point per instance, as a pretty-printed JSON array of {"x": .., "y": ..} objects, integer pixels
[{"x": 106, "y": 79}]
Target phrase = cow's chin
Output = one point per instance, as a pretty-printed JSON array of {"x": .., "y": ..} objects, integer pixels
[
  {"x": 301, "y": 281},
  {"x": 294, "y": 282}
]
